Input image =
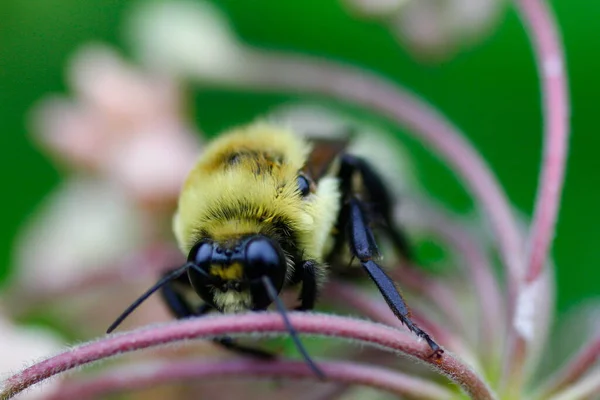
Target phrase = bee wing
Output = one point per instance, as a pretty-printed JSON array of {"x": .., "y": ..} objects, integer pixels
[{"x": 324, "y": 152}]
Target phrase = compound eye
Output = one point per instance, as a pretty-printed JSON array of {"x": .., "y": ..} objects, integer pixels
[
  {"x": 303, "y": 185},
  {"x": 262, "y": 256},
  {"x": 201, "y": 253}
]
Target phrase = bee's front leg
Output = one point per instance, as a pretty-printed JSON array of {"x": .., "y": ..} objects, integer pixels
[{"x": 309, "y": 290}]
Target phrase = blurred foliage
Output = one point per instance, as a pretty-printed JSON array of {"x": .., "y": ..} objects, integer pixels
[{"x": 491, "y": 92}]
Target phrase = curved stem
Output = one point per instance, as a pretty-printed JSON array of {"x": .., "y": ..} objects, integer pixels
[
  {"x": 363, "y": 332},
  {"x": 548, "y": 50},
  {"x": 145, "y": 375},
  {"x": 551, "y": 65}
]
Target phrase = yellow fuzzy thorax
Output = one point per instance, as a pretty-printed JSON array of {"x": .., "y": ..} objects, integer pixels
[{"x": 245, "y": 182}]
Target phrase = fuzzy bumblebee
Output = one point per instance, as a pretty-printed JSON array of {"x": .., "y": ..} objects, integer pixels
[{"x": 263, "y": 210}]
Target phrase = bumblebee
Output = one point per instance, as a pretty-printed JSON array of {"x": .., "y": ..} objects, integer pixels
[{"x": 264, "y": 210}]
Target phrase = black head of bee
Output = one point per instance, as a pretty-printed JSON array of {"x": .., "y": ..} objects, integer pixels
[
  {"x": 253, "y": 268},
  {"x": 240, "y": 268}
]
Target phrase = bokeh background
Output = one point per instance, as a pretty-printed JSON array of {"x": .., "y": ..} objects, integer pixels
[{"x": 490, "y": 90}]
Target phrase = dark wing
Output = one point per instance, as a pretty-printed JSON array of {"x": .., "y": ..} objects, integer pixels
[{"x": 324, "y": 152}]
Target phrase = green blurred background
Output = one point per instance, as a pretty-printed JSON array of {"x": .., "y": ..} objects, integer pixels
[{"x": 491, "y": 91}]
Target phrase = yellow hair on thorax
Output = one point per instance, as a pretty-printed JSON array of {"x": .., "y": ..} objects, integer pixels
[
  {"x": 261, "y": 138},
  {"x": 245, "y": 182}
]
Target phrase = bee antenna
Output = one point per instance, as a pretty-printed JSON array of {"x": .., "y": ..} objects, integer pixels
[
  {"x": 281, "y": 308},
  {"x": 163, "y": 281}
]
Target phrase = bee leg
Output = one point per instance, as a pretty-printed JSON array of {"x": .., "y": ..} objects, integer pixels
[
  {"x": 308, "y": 293},
  {"x": 181, "y": 308},
  {"x": 378, "y": 195},
  {"x": 177, "y": 303},
  {"x": 363, "y": 247}
]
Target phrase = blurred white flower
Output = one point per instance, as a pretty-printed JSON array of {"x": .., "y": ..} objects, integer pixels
[
  {"x": 438, "y": 29},
  {"x": 186, "y": 37},
  {"x": 434, "y": 29}
]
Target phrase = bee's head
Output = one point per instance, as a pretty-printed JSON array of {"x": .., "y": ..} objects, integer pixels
[{"x": 233, "y": 273}]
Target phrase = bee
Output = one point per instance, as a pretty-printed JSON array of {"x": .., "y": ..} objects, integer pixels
[{"x": 264, "y": 210}]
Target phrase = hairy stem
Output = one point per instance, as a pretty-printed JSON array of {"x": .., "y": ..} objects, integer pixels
[
  {"x": 145, "y": 375},
  {"x": 363, "y": 332}
]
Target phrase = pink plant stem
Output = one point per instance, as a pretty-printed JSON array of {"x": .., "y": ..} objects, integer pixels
[
  {"x": 547, "y": 46},
  {"x": 364, "y": 332},
  {"x": 145, "y": 375},
  {"x": 550, "y": 59},
  {"x": 302, "y": 74},
  {"x": 585, "y": 359}
]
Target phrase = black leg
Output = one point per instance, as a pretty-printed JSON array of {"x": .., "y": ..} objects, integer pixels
[
  {"x": 180, "y": 307},
  {"x": 177, "y": 303},
  {"x": 308, "y": 293},
  {"x": 378, "y": 197},
  {"x": 363, "y": 246}
]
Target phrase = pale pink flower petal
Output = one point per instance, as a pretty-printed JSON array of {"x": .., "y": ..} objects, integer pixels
[
  {"x": 124, "y": 94},
  {"x": 70, "y": 131},
  {"x": 125, "y": 125}
]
